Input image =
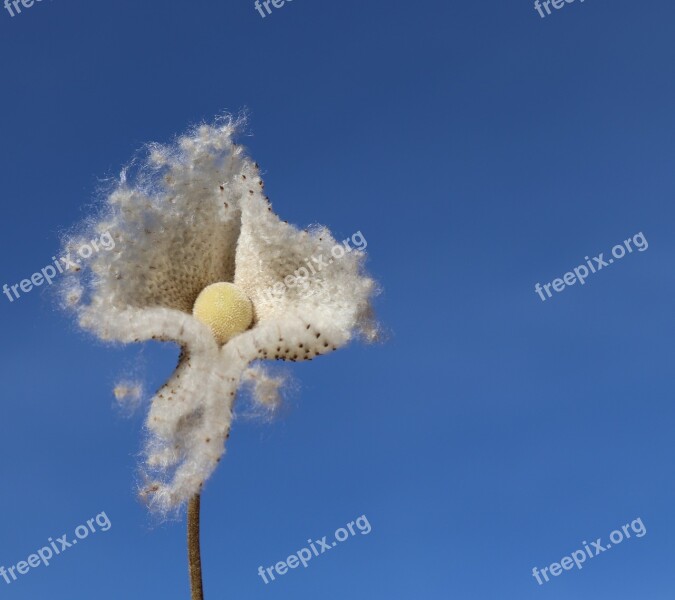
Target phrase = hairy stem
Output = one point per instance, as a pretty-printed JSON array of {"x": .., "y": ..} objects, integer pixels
[{"x": 194, "y": 552}]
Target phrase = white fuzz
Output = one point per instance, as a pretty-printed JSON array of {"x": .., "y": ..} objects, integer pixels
[
  {"x": 129, "y": 396},
  {"x": 265, "y": 388},
  {"x": 128, "y": 393},
  {"x": 196, "y": 215}
]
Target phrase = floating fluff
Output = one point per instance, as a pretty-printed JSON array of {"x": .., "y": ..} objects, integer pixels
[{"x": 196, "y": 246}]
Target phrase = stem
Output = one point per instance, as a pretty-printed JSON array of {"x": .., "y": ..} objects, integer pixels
[{"x": 194, "y": 552}]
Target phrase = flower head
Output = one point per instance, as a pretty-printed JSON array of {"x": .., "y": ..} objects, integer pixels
[{"x": 196, "y": 245}]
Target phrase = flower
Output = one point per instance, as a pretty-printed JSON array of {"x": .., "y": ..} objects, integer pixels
[{"x": 195, "y": 223}]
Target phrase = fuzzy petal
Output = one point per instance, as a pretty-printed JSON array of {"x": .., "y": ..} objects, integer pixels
[
  {"x": 298, "y": 317},
  {"x": 174, "y": 228},
  {"x": 189, "y": 422},
  {"x": 136, "y": 324}
]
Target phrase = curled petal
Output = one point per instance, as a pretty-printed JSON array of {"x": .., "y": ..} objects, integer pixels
[
  {"x": 173, "y": 227},
  {"x": 307, "y": 302}
]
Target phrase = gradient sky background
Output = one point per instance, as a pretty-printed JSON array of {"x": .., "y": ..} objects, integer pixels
[{"x": 479, "y": 149}]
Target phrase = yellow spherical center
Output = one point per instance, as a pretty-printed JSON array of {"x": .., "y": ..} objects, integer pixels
[{"x": 225, "y": 309}]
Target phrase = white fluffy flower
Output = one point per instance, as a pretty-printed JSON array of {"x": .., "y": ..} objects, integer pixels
[{"x": 196, "y": 215}]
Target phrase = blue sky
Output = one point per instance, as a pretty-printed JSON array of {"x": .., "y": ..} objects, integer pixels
[{"x": 480, "y": 149}]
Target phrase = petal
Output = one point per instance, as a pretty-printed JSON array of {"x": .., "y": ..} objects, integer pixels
[
  {"x": 309, "y": 292},
  {"x": 135, "y": 325},
  {"x": 189, "y": 422},
  {"x": 174, "y": 229}
]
